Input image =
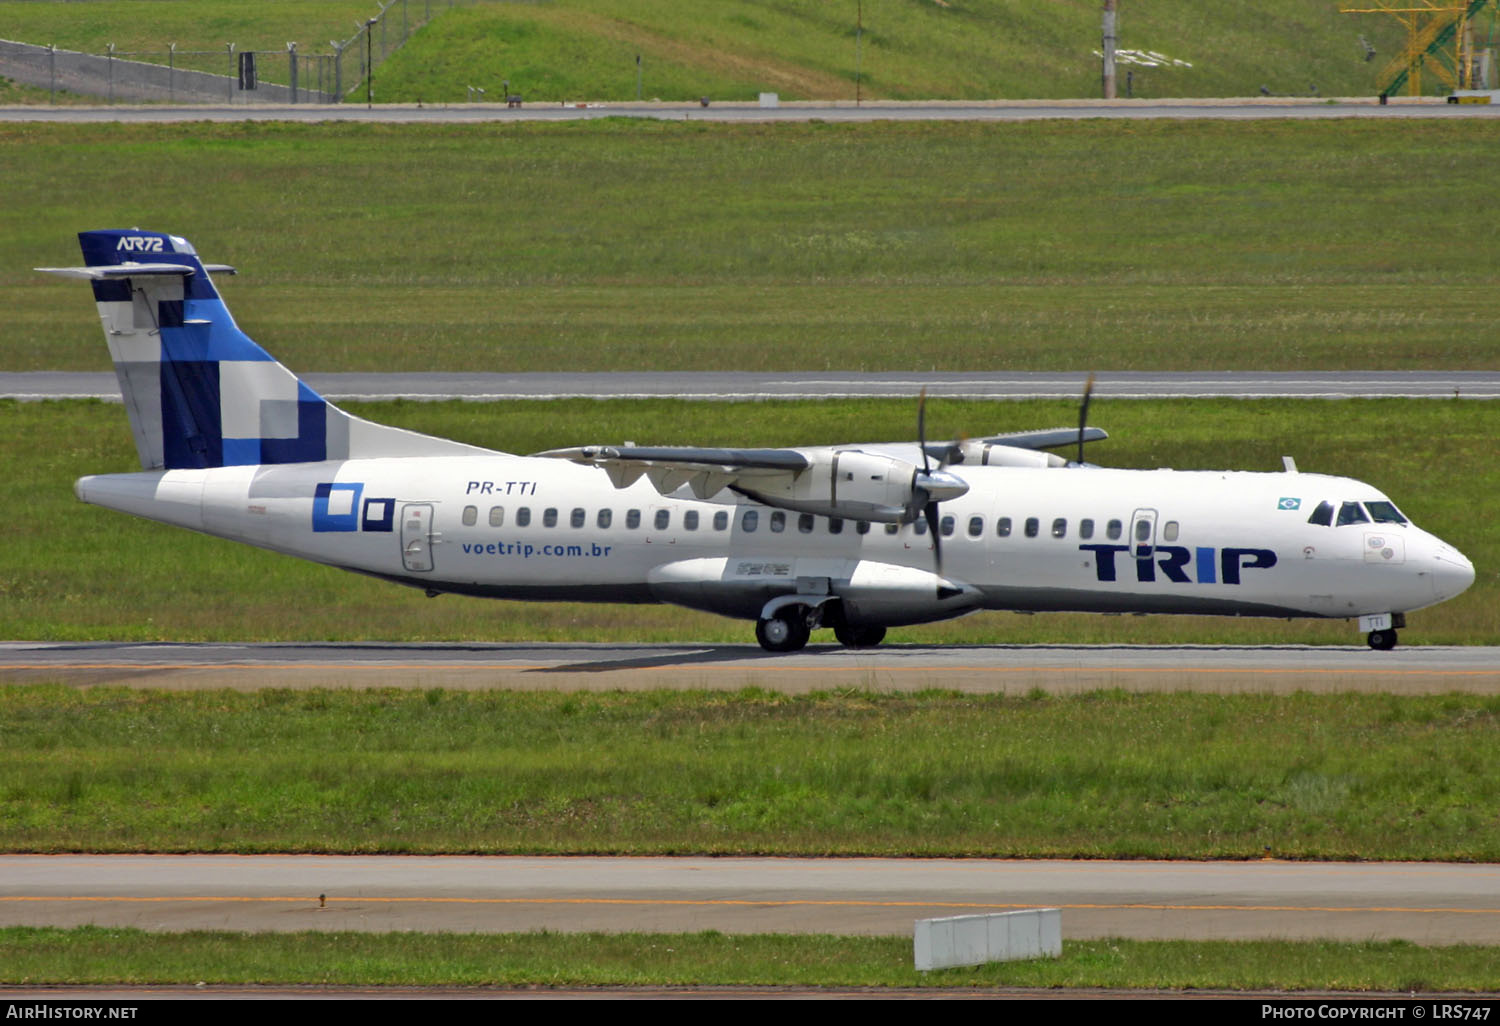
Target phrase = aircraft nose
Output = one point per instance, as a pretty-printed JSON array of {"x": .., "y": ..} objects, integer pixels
[{"x": 1453, "y": 573}]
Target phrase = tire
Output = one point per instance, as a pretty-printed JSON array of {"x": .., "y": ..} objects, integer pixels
[
  {"x": 786, "y": 632},
  {"x": 859, "y": 637},
  {"x": 1383, "y": 641}
]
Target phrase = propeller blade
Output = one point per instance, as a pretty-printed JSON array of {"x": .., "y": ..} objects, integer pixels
[
  {"x": 922, "y": 426},
  {"x": 933, "y": 521},
  {"x": 1083, "y": 413}
]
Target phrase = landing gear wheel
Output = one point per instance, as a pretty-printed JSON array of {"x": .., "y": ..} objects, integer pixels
[
  {"x": 859, "y": 637},
  {"x": 786, "y": 632},
  {"x": 1383, "y": 641}
]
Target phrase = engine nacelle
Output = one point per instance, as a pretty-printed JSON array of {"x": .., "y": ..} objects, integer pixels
[
  {"x": 977, "y": 452},
  {"x": 848, "y": 483}
]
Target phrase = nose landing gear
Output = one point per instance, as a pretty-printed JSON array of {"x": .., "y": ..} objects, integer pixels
[{"x": 1382, "y": 628}]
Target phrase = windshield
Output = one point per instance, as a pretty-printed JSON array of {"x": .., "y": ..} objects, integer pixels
[{"x": 1385, "y": 513}]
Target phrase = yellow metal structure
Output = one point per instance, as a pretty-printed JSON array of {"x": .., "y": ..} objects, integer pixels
[{"x": 1437, "y": 37}]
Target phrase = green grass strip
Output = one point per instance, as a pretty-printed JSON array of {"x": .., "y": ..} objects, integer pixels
[
  {"x": 101, "y": 955},
  {"x": 1104, "y": 245},
  {"x": 1103, "y": 775}
]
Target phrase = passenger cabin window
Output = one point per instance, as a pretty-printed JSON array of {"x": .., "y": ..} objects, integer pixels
[
  {"x": 1323, "y": 515},
  {"x": 497, "y": 516},
  {"x": 721, "y": 521},
  {"x": 549, "y": 517},
  {"x": 920, "y": 526},
  {"x": 750, "y": 521},
  {"x": 805, "y": 523},
  {"x": 892, "y": 528},
  {"x": 1085, "y": 529},
  {"x": 605, "y": 517},
  {"x": 976, "y": 526},
  {"x": 1002, "y": 527},
  {"x": 778, "y": 522},
  {"x": 1060, "y": 527},
  {"x": 523, "y": 516},
  {"x": 946, "y": 526},
  {"x": 632, "y": 519},
  {"x": 1143, "y": 530},
  {"x": 690, "y": 520},
  {"x": 1114, "y": 529},
  {"x": 835, "y": 525},
  {"x": 1385, "y": 513},
  {"x": 861, "y": 527},
  {"x": 1169, "y": 531},
  {"x": 471, "y": 516},
  {"x": 1033, "y": 527},
  {"x": 578, "y": 517},
  {"x": 663, "y": 519},
  {"x": 1350, "y": 513}
]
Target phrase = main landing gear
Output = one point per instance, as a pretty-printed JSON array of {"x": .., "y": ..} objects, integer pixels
[
  {"x": 1383, "y": 641},
  {"x": 788, "y": 629}
]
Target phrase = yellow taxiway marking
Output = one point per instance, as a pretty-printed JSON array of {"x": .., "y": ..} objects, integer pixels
[
  {"x": 780, "y": 668},
  {"x": 745, "y": 903}
]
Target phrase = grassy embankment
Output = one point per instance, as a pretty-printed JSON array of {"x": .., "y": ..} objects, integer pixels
[
  {"x": 733, "y": 49},
  {"x": 1104, "y": 775},
  {"x": 100, "y": 955},
  {"x": 79, "y": 572},
  {"x": 1043, "y": 246}
]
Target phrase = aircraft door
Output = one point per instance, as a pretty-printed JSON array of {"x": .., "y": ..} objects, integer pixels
[
  {"x": 1143, "y": 533},
  {"x": 416, "y": 536}
]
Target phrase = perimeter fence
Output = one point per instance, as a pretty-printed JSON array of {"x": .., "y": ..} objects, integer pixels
[{"x": 231, "y": 75}]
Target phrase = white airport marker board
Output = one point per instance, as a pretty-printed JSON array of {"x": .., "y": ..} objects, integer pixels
[{"x": 997, "y": 937}]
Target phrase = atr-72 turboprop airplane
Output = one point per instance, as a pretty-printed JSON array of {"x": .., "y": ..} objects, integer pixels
[{"x": 851, "y": 537}]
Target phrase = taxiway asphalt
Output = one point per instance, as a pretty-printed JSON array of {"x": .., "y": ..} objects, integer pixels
[
  {"x": 747, "y": 385},
  {"x": 1427, "y": 903},
  {"x": 1231, "y": 108},
  {"x": 1008, "y": 669}
]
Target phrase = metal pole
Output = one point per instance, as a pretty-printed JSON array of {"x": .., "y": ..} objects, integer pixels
[
  {"x": 171, "y": 72},
  {"x": 110, "y": 61},
  {"x": 1109, "y": 49},
  {"x": 859, "y": 33},
  {"x": 369, "y": 65},
  {"x": 230, "y": 48},
  {"x": 291, "y": 55},
  {"x": 52, "y": 72},
  {"x": 637, "y": 78}
]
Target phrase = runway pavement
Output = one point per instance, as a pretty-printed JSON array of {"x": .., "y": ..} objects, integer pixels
[
  {"x": 1009, "y": 669},
  {"x": 745, "y": 385},
  {"x": 1427, "y": 903}
]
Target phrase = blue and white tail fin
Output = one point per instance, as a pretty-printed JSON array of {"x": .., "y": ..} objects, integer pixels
[{"x": 200, "y": 392}]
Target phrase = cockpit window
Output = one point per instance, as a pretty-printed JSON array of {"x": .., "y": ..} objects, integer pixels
[
  {"x": 1323, "y": 515},
  {"x": 1385, "y": 513},
  {"x": 1350, "y": 513}
]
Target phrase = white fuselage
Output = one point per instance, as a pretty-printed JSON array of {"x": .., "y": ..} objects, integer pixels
[{"x": 1227, "y": 542}]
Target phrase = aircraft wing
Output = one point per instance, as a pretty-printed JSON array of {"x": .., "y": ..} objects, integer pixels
[
  {"x": 704, "y": 471},
  {"x": 1049, "y": 438}
]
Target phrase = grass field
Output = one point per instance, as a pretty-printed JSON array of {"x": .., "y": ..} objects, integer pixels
[
  {"x": 1103, "y": 775},
  {"x": 732, "y": 49},
  {"x": 1280, "y": 246},
  {"x": 80, "y": 572},
  {"x": 908, "y": 49},
  {"x": 98, "y": 955}
]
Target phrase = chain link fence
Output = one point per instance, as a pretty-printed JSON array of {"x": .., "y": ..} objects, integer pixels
[{"x": 229, "y": 75}]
